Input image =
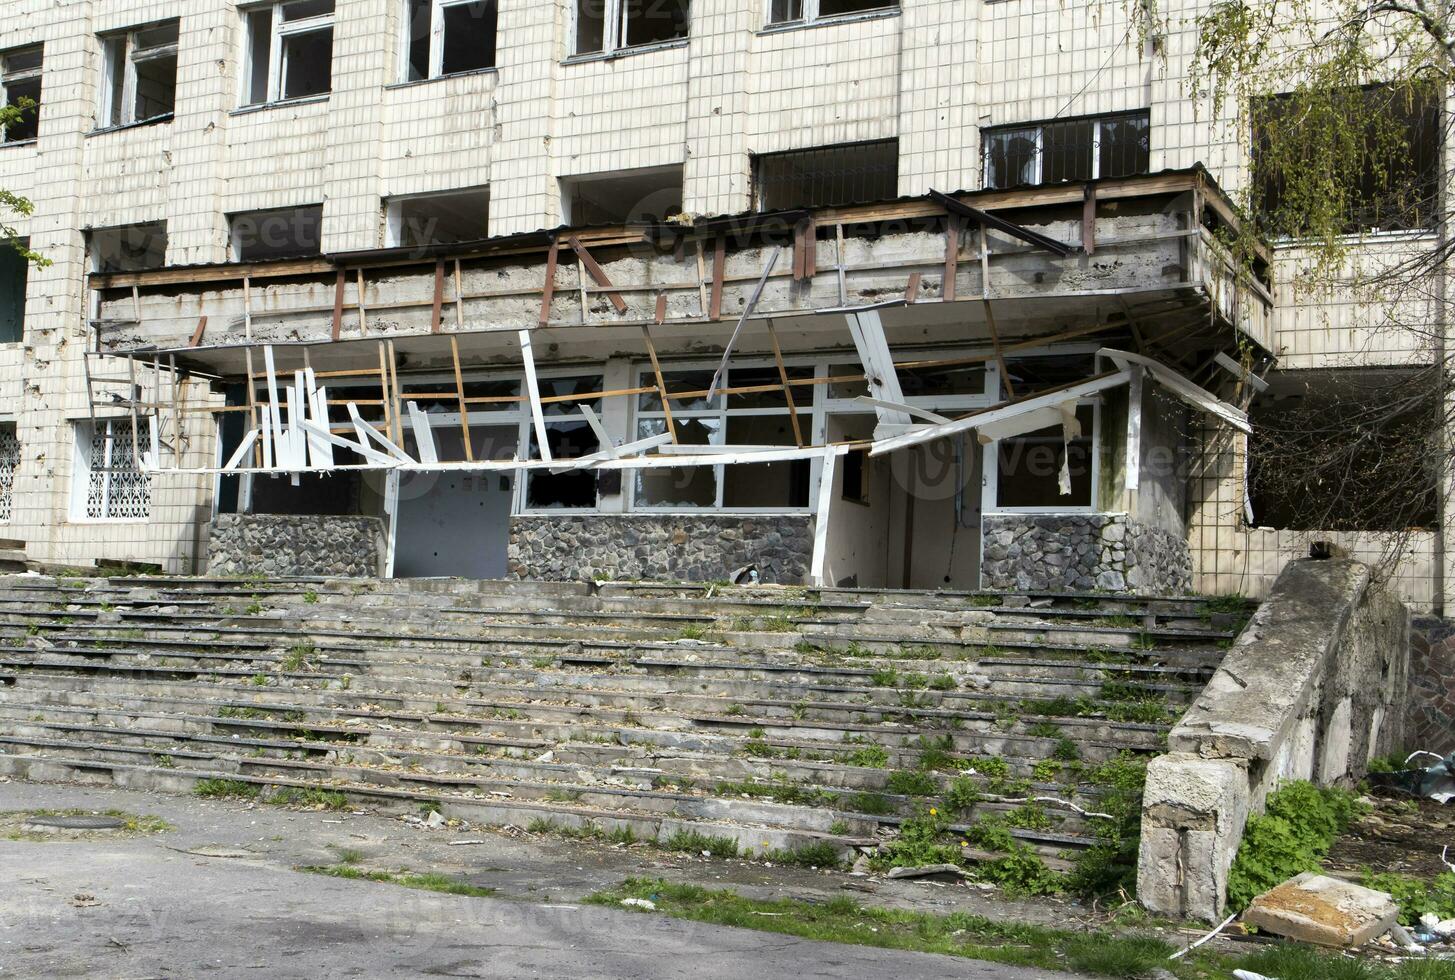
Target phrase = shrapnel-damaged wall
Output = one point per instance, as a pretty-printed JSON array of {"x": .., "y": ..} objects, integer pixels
[
  {"x": 1082, "y": 552},
  {"x": 287, "y": 544},
  {"x": 1313, "y": 688},
  {"x": 673, "y": 547},
  {"x": 1430, "y": 722}
]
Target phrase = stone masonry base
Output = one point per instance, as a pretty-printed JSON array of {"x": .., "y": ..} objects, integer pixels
[
  {"x": 1081, "y": 553},
  {"x": 289, "y": 544}
]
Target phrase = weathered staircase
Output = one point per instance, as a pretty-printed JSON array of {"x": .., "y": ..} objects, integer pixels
[{"x": 785, "y": 720}]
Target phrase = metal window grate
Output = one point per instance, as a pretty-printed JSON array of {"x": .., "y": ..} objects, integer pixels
[
  {"x": 854, "y": 173},
  {"x": 1068, "y": 150},
  {"x": 116, "y": 488},
  {"x": 9, "y": 463}
]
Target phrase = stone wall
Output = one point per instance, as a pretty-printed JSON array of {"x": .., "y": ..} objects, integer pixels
[
  {"x": 289, "y": 544},
  {"x": 1430, "y": 724},
  {"x": 672, "y": 547},
  {"x": 1082, "y": 552},
  {"x": 1313, "y": 688}
]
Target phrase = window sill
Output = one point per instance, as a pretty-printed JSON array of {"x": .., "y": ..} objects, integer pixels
[
  {"x": 153, "y": 121},
  {"x": 581, "y": 59},
  {"x": 109, "y": 520},
  {"x": 30, "y": 142},
  {"x": 440, "y": 78},
  {"x": 281, "y": 104},
  {"x": 801, "y": 25}
]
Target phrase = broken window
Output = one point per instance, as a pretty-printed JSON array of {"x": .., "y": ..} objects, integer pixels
[
  {"x": 438, "y": 219},
  {"x": 282, "y": 233},
  {"x": 448, "y": 37},
  {"x": 14, "y": 272},
  {"x": 622, "y": 198},
  {"x": 1029, "y": 467},
  {"x": 1072, "y": 149},
  {"x": 9, "y": 463},
  {"x": 289, "y": 51},
  {"x": 109, "y": 483},
  {"x": 569, "y": 436},
  {"x": 1388, "y": 179},
  {"x": 809, "y": 11},
  {"x": 854, "y": 173},
  {"x": 603, "y": 26},
  {"x": 20, "y": 81},
  {"x": 752, "y": 418},
  {"x": 141, "y": 75},
  {"x": 131, "y": 248}
]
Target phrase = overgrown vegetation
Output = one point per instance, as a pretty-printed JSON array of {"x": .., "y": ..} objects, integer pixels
[
  {"x": 1291, "y": 836},
  {"x": 219, "y": 789},
  {"x": 1416, "y": 896},
  {"x": 429, "y": 882}
]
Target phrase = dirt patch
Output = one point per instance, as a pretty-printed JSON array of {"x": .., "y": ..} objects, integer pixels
[
  {"x": 75, "y": 824},
  {"x": 1403, "y": 835}
]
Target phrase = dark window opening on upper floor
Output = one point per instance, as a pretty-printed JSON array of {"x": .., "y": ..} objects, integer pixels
[
  {"x": 14, "y": 272},
  {"x": 625, "y": 197},
  {"x": 289, "y": 51},
  {"x": 438, "y": 219},
  {"x": 603, "y": 26},
  {"x": 20, "y": 72},
  {"x": 277, "y": 234},
  {"x": 141, "y": 75},
  {"x": 1346, "y": 451},
  {"x": 1067, "y": 150},
  {"x": 449, "y": 37},
  {"x": 809, "y": 11},
  {"x": 854, "y": 173},
  {"x": 1388, "y": 174},
  {"x": 130, "y": 248}
]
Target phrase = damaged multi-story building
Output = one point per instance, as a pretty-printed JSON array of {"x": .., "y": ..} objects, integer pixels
[{"x": 927, "y": 294}]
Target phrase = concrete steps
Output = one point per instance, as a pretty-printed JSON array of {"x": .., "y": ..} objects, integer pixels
[{"x": 779, "y": 718}]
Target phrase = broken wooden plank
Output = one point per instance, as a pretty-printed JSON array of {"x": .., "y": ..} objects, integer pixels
[
  {"x": 598, "y": 274},
  {"x": 549, "y": 288},
  {"x": 464, "y": 404},
  {"x": 338, "y": 305},
  {"x": 952, "y": 259},
  {"x": 439, "y": 296},
  {"x": 197, "y": 334},
  {"x": 719, "y": 264},
  {"x": 747, "y": 311}
]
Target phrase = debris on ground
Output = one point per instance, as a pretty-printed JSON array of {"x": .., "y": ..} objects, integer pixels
[
  {"x": 640, "y": 903},
  {"x": 1325, "y": 911},
  {"x": 1436, "y": 782},
  {"x": 932, "y": 872}
]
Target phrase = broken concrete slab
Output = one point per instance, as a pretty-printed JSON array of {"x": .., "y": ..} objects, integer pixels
[
  {"x": 1314, "y": 908},
  {"x": 931, "y": 872}
]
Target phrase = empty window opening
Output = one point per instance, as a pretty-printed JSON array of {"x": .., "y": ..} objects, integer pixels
[
  {"x": 9, "y": 463},
  {"x": 110, "y": 485},
  {"x": 20, "y": 85},
  {"x": 1029, "y": 467},
  {"x": 14, "y": 271},
  {"x": 855, "y": 173},
  {"x": 283, "y": 233},
  {"x": 1346, "y": 451},
  {"x": 448, "y": 37},
  {"x": 289, "y": 51},
  {"x": 569, "y": 436},
  {"x": 131, "y": 248},
  {"x": 141, "y": 75},
  {"x": 809, "y": 11},
  {"x": 438, "y": 219},
  {"x": 623, "y": 198},
  {"x": 1073, "y": 149},
  {"x": 1386, "y": 177},
  {"x": 603, "y": 26}
]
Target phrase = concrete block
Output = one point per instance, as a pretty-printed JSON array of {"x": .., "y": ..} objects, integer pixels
[{"x": 1314, "y": 908}]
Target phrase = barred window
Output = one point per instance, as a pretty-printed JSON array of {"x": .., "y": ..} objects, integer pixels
[
  {"x": 851, "y": 173},
  {"x": 1071, "y": 149},
  {"x": 115, "y": 488},
  {"x": 9, "y": 462}
]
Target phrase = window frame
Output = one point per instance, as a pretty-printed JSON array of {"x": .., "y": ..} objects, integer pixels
[
  {"x": 8, "y": 77},
  {"x": 437, "y": 43},
  {"x": 812, "y": 410},
  {"x": 129, "y": 56},
  {"x": 11, "y": 456},
  {"x": 278, "y": 30},
  {"x": 86, "y": 468},
  {"x": 614, "y": 33},
  {"x": 810, "y": 15},
  {"x": 1039, "y": 128}
]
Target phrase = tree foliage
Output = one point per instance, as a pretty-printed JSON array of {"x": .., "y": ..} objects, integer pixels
[{"x": 12, "y": 204}]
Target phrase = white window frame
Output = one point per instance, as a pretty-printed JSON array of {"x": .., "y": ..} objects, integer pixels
[
  {"x": 613, "y": 32},
  {"x": 811, "y": 14},
  {"x": 278, "y": 30},
  {"x": 86, "y": 466},
  {"x": 811, "y": 408},
  {"x": 130, "y": 55},
  {"x": 10, "y": 457},
  {"x": 1040, "y": 130},
  {"x": 436, "y": 42},
  {"x": 22, "y": 75}
]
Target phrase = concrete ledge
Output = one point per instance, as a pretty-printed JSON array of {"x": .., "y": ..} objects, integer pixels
[{"x": 1312, "y": 689}]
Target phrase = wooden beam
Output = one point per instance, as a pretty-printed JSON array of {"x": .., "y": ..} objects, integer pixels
[
  {"x": 548, "y": 289},
  {"x": 999, "y": 354},
  {"x": 338, "y": 305},
  {"x": 719, "y": 263},
  {"x": 661, "y": 383},
  {"x": 952, "y": 258},
  {"x": 359, "y": 304},
  {"x": 459, "y": 298},
  {"x": 911, "y": 292},
  {"x": 460, "y": 394},
  {"x": 787, "y": 388},
  {"x": 438, "y": 297},
  {"x": 727, "y": 352},
  {"x": 201, "y": 329},
  {"x": 661, "y": 308},
  {"x": 598, "y": 274},
  {"x": 1088, "y": 221}
]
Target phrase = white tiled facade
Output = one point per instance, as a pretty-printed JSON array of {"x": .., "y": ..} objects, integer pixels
[{"x": 929, "y": 73}]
